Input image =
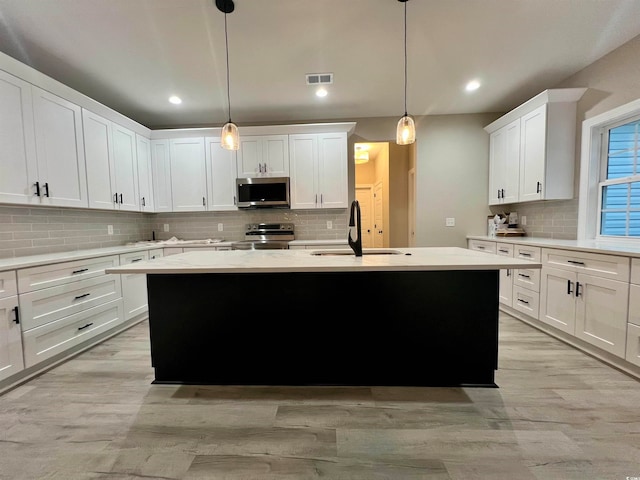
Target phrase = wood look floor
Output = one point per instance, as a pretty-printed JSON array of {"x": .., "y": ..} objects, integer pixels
[{"x": 557, "y": 414}]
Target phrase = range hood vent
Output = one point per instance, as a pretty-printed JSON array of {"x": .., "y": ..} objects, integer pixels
[{"x": 319, "y": 78}]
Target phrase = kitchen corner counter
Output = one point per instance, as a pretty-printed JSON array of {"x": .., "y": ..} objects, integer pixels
[
  {"x": 276, "y": 261},
  {"x": 590, "y": 246}
]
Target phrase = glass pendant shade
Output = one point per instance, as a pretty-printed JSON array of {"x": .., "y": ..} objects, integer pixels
[
  {"x": 406, "y": 131},
  {"x": 230, "y": 138}
]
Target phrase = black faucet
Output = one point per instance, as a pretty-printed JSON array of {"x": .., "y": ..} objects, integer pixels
[{"x": 355, "y": 221}]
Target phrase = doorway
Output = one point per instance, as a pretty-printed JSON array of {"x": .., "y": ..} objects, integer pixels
[{"x": 382, "y": 182}]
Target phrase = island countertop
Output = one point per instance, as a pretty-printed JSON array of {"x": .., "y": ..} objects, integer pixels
[{"x": 282, "y": 260}]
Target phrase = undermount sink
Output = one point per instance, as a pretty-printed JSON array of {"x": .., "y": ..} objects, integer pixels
[{"x": 368, "y": 251}]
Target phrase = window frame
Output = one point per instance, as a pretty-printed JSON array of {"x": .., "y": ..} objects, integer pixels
[{"x": 593, "y": 143}]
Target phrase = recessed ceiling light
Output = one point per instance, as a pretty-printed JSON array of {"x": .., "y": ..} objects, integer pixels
[
  {"x": 321, "y": 92},
  {"x": 175, "y": 100},
  {"x": 472, "y": 85}
]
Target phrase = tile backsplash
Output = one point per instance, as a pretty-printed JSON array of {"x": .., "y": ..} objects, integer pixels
[
  {"x": 547, "y": 219},
  {"x": 29, "y": 230}
]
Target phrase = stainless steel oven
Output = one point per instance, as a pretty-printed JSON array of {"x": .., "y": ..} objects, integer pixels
[{"x": 265, "y": 236}]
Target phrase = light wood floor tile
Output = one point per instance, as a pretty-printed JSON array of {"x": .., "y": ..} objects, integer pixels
[{"x": 558, "y": 414}]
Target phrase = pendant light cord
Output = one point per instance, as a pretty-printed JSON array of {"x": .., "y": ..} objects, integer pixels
[
  {"x": 405, "y": 57},
  {"x": 226, "y": 44}
]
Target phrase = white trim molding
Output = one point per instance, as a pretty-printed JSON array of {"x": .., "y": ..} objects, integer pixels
[{"x": 591, "y": 148}]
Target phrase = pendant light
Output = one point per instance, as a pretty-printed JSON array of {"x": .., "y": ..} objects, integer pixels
[
  {"x": 406, "y": 130},
  {"x": 229, "y": 137}
]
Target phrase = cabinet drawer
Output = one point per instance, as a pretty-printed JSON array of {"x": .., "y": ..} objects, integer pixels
[
  {"x": 8, "y": 284},
  {"x": 527, "y": 278},
  {"x": 482, "y": 246},
  {"x": 635, "y": 271},
  {"x": 45, "y": 276},
  {"x": 606, "y": 266},
  {"x": 55, "y": 337},
  {"x": 526, "y": 252},
  {"x": 526, "y": 301},
  {"x": 156, "y": 253},
  {"x": 633, "y": 344},
  {"x": 634, "y": 304},
  {"x": 505, "y": 249},
  {"x": 49, "y": 304}
]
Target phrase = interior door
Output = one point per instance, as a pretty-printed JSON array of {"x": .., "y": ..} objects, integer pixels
[
  {"x": 378, "y": 216},
  {"x": 364, "y": 195}
]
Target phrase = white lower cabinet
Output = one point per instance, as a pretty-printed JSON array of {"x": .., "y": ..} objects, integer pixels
[
  {"x": 134, "y": 286},
  {"x": 11, "y": 361},
  {"x": 65, "y": 304},
  {"x": 506, "y": 275},
  {"x": 52, "y": 338},
  {"x": 591, "y": 308},
  {"x": 632, "y": 353}
]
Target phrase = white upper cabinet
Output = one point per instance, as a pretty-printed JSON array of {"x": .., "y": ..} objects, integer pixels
[
  {"x": 504, "y": 164},
  {"x": 188, "y": 174},
  {"x": 18, "y": 168},
  {"x": 319, "y": 168},
  {"x": 62, "y": 179},
  {"x": 546, "y": 149},
  {"x": 263, "y": 155},
  {"x": 145, "y": 179},
  {"x": 126, "y": 167},
  {"x": 161, "y": 175},
  {"x": 221, "y": 176},
  {"x": 112, "y": 171},
  {"x": 41, "y": 147}
]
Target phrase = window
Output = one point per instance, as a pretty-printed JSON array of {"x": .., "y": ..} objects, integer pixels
[
  {"x": 609, "y": 199},
  {"x": 619, "y": 186}
]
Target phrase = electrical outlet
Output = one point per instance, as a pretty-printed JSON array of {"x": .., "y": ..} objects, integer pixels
[
  {"x": 110, "y": 229},
  {"x": 450, "y": 222},
  {"x": 329, "y": 224},
  {"x": 220, "y": 227},
  {"x": 166, "y": 227},
  {"x": 523, "y": 220}
]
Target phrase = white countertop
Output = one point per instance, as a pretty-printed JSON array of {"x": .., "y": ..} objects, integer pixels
[
  {"x": 269, "y": 261},
  {"x": 342, "y": 241},
  {"x": 591, "y": 246}
]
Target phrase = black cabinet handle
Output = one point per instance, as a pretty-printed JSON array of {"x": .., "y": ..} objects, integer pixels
[
  {"x": 574, "y": 262},
  {"x": 203, "y": 204},
  {"x": 569, "y": 284},
  {"x": 136, "y": 260},
  {"x": 82, "y": 296},
  {"x": 502, "y": 192},
  {"x": 523, "y": 275},
  {"x": 578, "y": 289},
  {"x": 503, "y": 251},
  {"x": 87, "y": 325},
  {"x": 121, "y": 199},
  {"x": 538, "y": 187},
  {"x": 508, "y": 272},
  {"x": 523, "y": 301},
  {"x": 498, "y": 193},
  {"x": 115, "y": 198},
  {"x": 143, "y": 204},
  {"x": 37, "y": 185},
  {"x": 524, "y": 254},
  {"x": 80, "y": 271},
  {"x": 46, "y": 189},
  {"x": 17, "y": 313}
]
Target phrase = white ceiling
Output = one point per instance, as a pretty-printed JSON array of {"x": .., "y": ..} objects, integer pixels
[{"x": 133, "y": 54}]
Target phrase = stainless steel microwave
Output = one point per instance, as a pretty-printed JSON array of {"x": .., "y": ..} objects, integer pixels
[{"x": 263, "y": 192}]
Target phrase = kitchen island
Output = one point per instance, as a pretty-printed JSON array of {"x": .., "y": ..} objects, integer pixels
[{"x": 408, "y": 316}]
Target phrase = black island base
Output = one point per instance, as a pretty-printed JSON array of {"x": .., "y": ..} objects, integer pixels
[{"x": 414, "y": 328}]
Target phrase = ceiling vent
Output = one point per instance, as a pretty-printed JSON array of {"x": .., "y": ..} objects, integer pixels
[{"x": 319, "y": 78}]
